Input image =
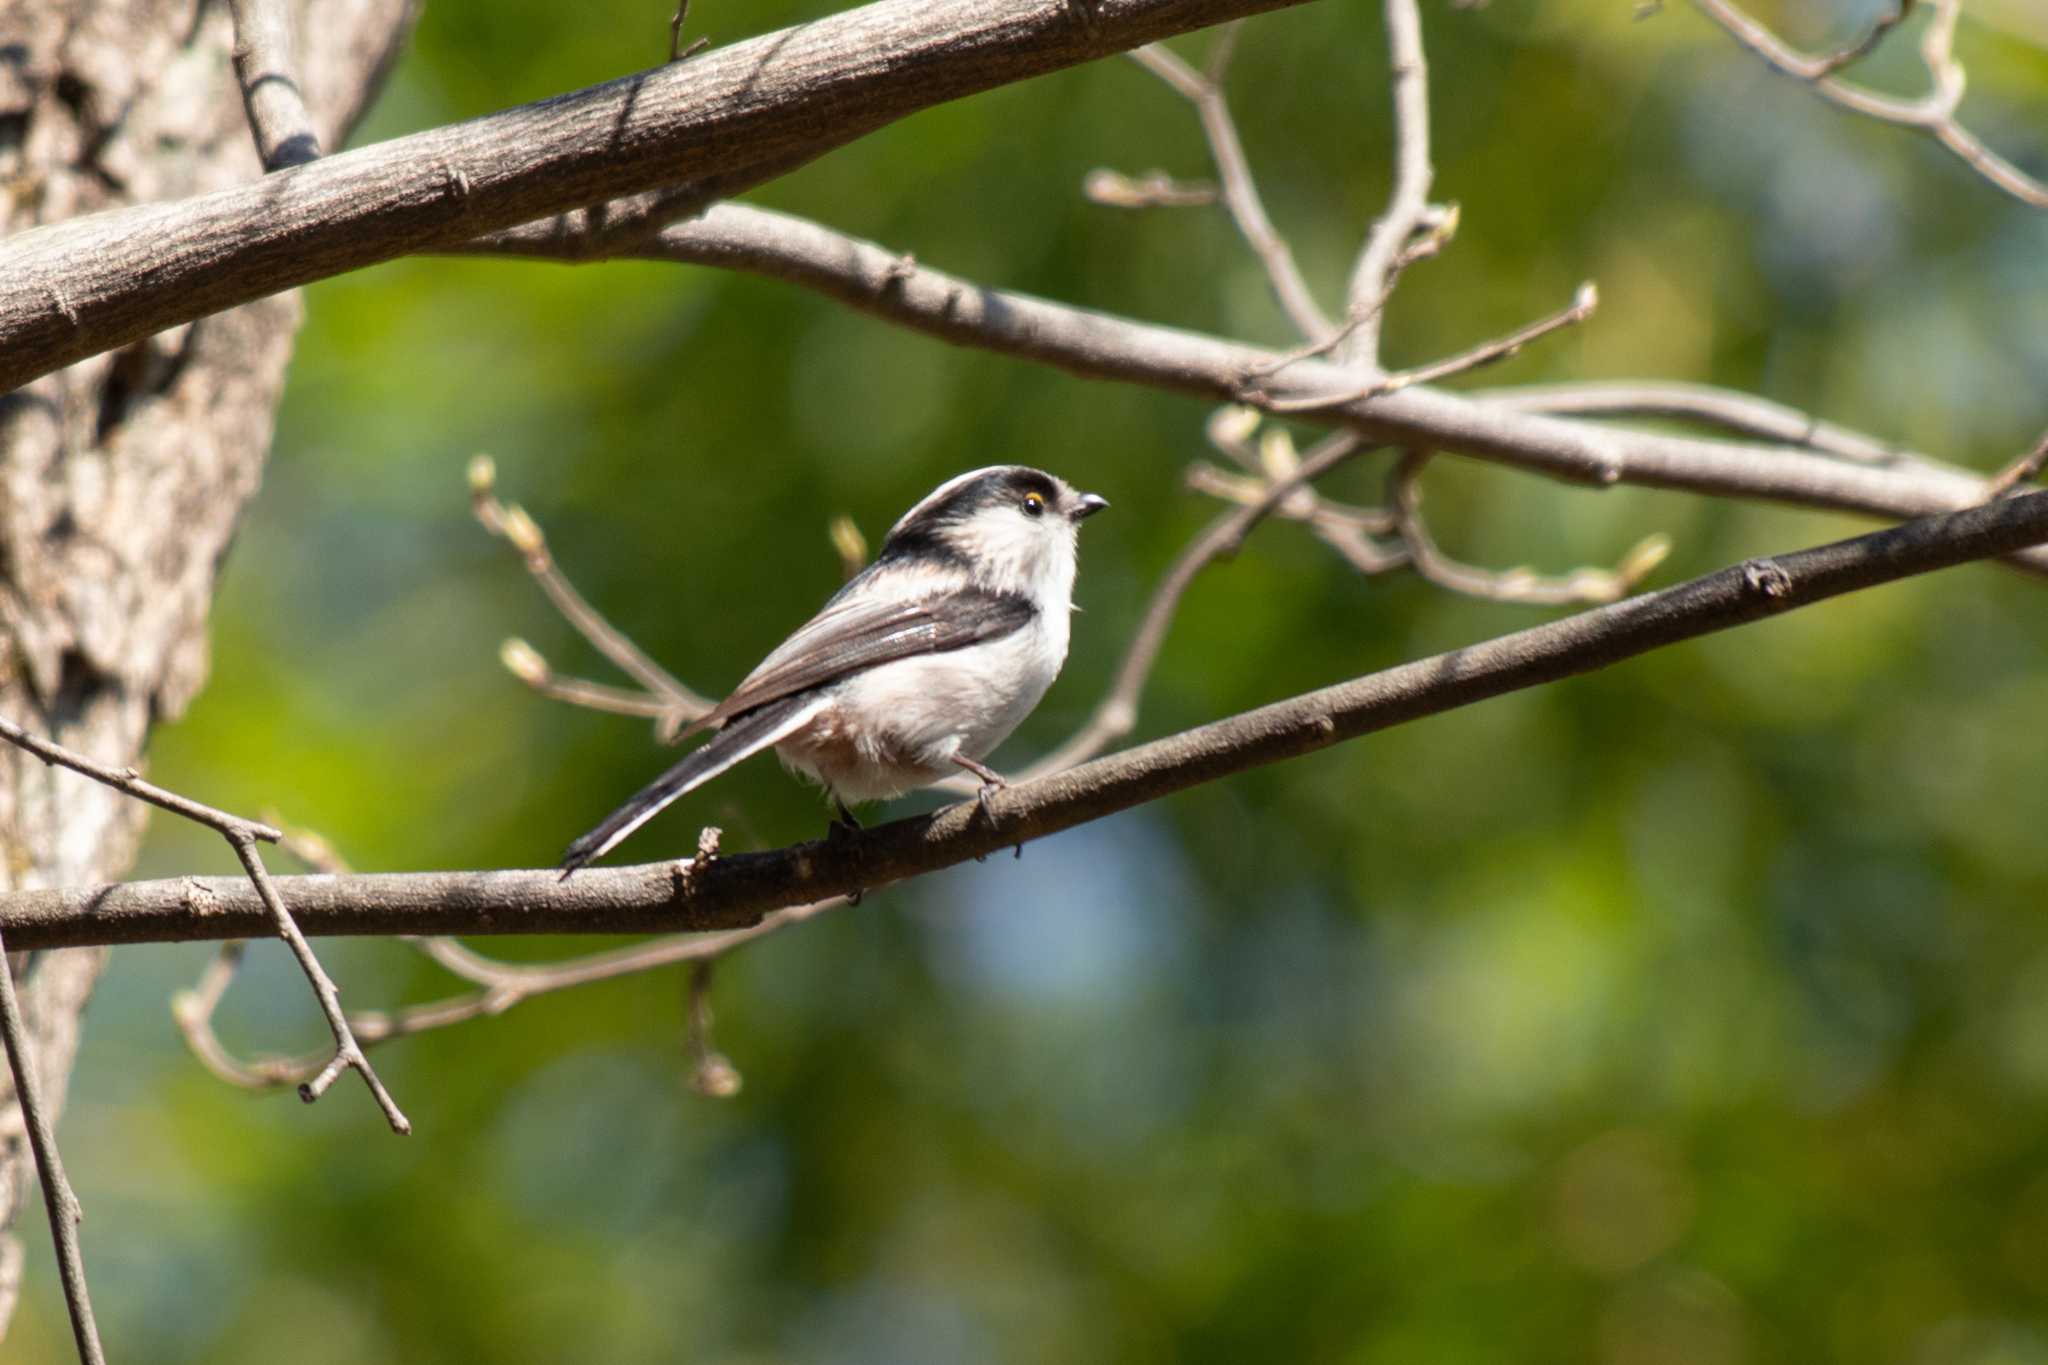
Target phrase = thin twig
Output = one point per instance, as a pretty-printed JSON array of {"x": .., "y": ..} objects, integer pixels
[
  {"x": 511, "y": 522},
  {"x": 1117, "y": 712},
  {"x": 676, "y": 51},
  {"x": 1862, "y": 47},
  {"x": 1581, "y": 586},
  {"x": 734, "y": 889},
  {"x": 1353, "y": 532},
  {"x": 1739, "y": 414},
  {"x": 876, "y": 281},
  {"x": 1500, "y": 348},
  {"x": 58, "y": 1197},
  {"x": 1485, "y": 353},
  {"x": 1933, "y": 113},
  {"x": 510, "y": 984},
  {"x": 1153, "y": 190},
  {"x": 711, "y": 1072},
  {"x": 1240, "y": 191},
  {"x": 505, "y": 984},
  {"x": 2027, "y": 467},
  {"x": 278, "y": 118},
  {"x": 1385, "y": 253},
  {"x": 242, "y": 836},
  {"x": 1308, "y": 350},
  {"x": 527, "y": 664}
]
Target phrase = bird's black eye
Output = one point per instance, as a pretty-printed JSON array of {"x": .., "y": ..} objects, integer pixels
[{"x": 1034, "y": 504}]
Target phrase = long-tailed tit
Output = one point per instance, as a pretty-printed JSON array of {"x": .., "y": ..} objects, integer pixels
[{"x": 916, "y": 669}]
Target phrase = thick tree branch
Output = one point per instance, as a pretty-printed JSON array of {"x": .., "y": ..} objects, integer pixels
[
  {"x": 1100, "y": 346},
  {"x": 736, "y": 890},
  {"x": 74, "y": 289}
]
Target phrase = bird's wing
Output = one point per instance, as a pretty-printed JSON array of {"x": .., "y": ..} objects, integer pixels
[
  {"x": 847, "y": 637},
  {"x": 781, "y": 696},
  {"x": 741, "y": 738}
]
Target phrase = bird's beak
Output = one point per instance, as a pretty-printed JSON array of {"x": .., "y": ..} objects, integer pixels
[{"x": 1088, "y": 504}]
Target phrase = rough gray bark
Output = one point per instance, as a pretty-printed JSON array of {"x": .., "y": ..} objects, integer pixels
[
  {"x": 735, "y": 116},
  {"x": 122, "y": 477}
]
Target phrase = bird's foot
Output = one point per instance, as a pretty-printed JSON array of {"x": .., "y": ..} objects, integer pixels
[
  {"x": 991, "y": 783},
  {"x": 842, "y": 830}
]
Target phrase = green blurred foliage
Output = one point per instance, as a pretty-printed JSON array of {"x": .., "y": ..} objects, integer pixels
[{"x": 1695, "y": 1011}]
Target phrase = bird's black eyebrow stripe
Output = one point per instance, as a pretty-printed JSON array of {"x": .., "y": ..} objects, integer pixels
[
  {"x": 1007, "y": 484},
  {"x": 920, "y": 543}
]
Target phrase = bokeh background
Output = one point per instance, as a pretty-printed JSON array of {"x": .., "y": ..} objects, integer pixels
[{"x": 1696, "y": 1011}]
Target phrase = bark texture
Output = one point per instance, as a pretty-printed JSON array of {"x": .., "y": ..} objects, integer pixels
[{"x": 122, "y": 478}]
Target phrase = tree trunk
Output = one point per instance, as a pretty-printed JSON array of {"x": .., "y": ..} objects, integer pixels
[{"x": 122, "y": 479}]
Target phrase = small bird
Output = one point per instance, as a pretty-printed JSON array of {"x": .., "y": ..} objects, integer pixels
[{"x": 920, "y": 666}]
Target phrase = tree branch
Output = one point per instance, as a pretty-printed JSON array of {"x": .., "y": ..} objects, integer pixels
[
  {"x": 278, "y": 118},
  {"x": 1933, "y": 113},
  {"x": 1384, "y": 255},
  {"x": 1739, "y": 414},
  {"x": 664, "y": 698},
  {"x": 58, "y": 1197},
  {"x": 1100, "y": 346},
  {"x": 1240, "y": 191},
  {"x": 242, "y": 836},
  {"x": 743, "y": 112},
  {"x": 735, "y": 891}
]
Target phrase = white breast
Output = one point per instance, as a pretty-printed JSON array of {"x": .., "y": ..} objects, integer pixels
[{"x": 898, "y": 727}]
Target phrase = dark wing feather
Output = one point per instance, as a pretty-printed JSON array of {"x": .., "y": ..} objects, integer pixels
[
  {"x": 742, "y": 739},
  {"x": 848, "y": 637}
]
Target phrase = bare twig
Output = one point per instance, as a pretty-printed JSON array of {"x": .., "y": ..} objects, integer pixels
[
  {"x": 503, "y": 986},
  {"x": 1251, "y": 384},
  {"x": 2026, "y": 468},
  {"x": 711, "y": 1073},
  {"x": 1117, "y": 712},
  {"x": 1240, "y": 192},
  {"x": 58, "y": 1197},
  {"x": 676, "y": 51},
  {"x": 1862, "y": 47},
  {"x": 1353, "y": 531},
  {"x": 527, "y": 664},
  {"x": 278, "y": 118},
  {"x": 1404, "y": 493},
  {"x": 242, "y": 836},
  {"x": 1154, "y": 189},
  {"x": 1933, "y": 113},
  {"x": 876, "y": 281},
  {"x": 735, "y": 890},
  {"x": 1485, "y": 353},
  {"x": 1386, "y": 250},
  {"x": 1739, "y": 414},
  {"x": 674, "y": 704}
]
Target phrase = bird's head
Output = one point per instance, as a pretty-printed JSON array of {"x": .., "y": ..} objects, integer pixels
[{"x": 1008, "y": 527}]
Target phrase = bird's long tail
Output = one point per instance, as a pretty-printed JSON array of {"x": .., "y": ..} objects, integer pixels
[{"x": 742, "y": 737}]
